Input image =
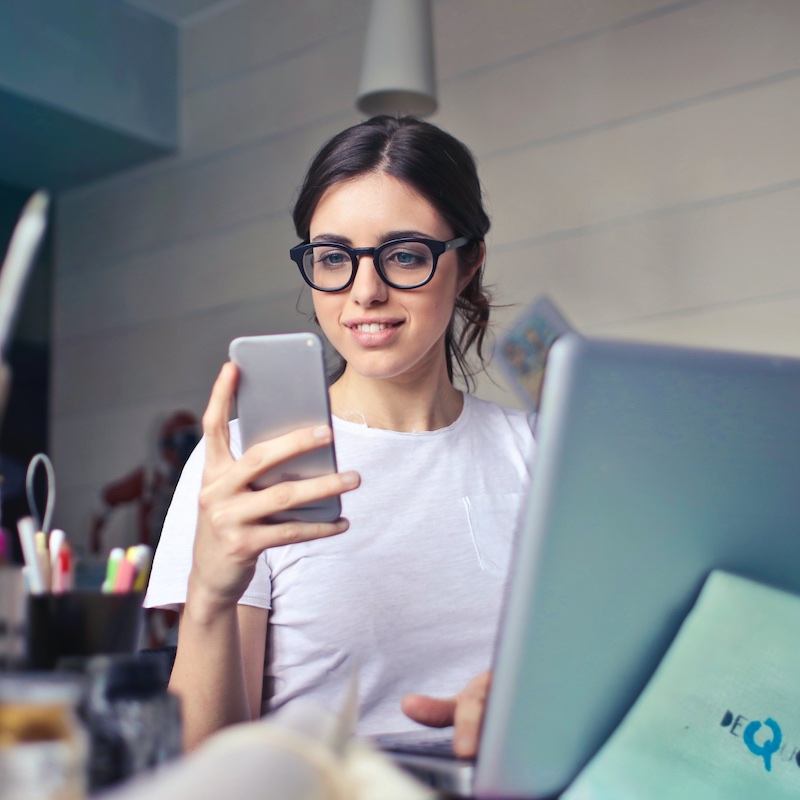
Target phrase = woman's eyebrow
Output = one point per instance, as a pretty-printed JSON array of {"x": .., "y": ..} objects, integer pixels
[
  {"x": 334, "y": 238},
  {"x": 390, "y": 236}
]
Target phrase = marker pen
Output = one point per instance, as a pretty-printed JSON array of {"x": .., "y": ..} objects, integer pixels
[
  {"x": 115, "y": 558},
  {"x": 33, "y": 568}
]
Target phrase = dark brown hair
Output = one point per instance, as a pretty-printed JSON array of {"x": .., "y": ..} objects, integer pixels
[{"x": 441, "y": 169}]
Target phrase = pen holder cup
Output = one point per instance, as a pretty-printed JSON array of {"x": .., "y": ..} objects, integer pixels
[{"x": 81, "y": 624}]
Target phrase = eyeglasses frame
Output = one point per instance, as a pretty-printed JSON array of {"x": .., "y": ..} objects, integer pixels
[{"x": 436, "y": 247}]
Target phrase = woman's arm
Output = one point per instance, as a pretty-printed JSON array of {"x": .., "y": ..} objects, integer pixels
[
  {"x": 220, "y": 658},
  {"x": 226, "y": 651}
]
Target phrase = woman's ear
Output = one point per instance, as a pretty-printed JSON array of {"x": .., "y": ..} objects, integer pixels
[{"x": 477, "y": 264}]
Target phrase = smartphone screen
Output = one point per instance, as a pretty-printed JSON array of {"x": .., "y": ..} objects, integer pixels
[{"x": 282, "y": 387}]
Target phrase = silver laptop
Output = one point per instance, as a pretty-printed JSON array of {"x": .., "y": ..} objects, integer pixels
[{"x": 655, "y": 465}]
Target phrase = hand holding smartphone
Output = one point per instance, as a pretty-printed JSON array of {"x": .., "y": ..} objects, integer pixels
[{"x": 282, "y": 387}]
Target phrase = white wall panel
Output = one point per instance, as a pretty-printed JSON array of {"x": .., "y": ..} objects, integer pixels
[
  {"x": 763, "y": 326},
  {"x": 723, "y": 254},
  {"x": 255, "y": 33},
  {"x": 476, "y": 35},
  {"x": 649, "y": 67},
  {"x": 278, "y": 97},
  {"x": 199, "y": 274},
  {"x": 732, "y": 145},
  {"x": 176, "y": 355}
]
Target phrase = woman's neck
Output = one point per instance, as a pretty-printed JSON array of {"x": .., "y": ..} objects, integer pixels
[{"x": 396, "y": 404}]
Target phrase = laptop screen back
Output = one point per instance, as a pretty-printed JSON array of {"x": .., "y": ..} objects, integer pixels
[{"x": 654, "y": 465}]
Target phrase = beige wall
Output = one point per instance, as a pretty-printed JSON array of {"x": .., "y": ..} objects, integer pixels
[{"x": 640, "y": 159}]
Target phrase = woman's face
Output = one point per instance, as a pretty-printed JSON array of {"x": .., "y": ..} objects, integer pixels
[{"x": 383, "y": 332}]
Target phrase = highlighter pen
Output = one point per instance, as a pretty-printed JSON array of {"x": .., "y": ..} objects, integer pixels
[
  {"x": 115, "y": 558},
  {"x": 144, "y": 560},
  {"x": 126, "y": 574}
]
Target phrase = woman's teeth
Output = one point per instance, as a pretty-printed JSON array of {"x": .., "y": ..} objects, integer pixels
[{"x": 372, "y": 327}]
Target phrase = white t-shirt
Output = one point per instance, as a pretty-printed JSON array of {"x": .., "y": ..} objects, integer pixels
[{"x": 411, "y": 593}]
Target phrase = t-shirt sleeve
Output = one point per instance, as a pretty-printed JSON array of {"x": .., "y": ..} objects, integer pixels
[{"x": 173, "y": 557}]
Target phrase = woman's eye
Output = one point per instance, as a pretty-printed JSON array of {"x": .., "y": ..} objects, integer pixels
[
  {"x": 332, "y": 258},
  {"x": 406, "y": 258}
]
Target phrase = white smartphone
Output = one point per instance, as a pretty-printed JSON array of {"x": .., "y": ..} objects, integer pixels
[{"x": 282, "y": 387}]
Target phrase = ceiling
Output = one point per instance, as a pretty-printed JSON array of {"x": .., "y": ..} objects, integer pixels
[{"x": 181, "y": 11}]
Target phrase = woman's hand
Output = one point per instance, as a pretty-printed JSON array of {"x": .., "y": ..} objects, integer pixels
[
  {"x": 464, "y": 712},
  {"x": 231, "y": 533}
]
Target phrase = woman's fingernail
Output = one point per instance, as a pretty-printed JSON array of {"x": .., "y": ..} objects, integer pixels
[
  {"x": 323, "y": 432},
  {"x": 350, "y": 478}
]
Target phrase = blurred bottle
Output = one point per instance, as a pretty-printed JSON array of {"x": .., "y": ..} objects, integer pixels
[{"x": 43, "y": 747}]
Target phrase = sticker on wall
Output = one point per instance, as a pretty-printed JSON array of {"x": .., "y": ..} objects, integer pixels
[{"x": 522, "y": 351}]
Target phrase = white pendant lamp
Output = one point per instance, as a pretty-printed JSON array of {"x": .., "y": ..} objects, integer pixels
[{"x": 397, "y": 71}]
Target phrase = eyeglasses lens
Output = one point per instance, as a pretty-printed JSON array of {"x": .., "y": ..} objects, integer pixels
[
  {"x": 407, "y": 263},
  {"x": 327, "y": 267}
]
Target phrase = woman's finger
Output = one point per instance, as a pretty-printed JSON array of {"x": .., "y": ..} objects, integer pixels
[
  {"x": 277, "y": 535},
  {"x": 263, "y": 456},
  {"x": 435, "y": 712},
  {"x": 470, "y": 706},
  {"x": 215, "y": 421},
  {"x": 260, "y": 504}
]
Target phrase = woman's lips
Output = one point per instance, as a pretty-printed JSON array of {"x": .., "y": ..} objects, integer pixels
[{"x": 372, "y": 334}]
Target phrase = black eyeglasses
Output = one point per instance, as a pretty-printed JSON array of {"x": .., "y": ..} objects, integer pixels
[{"x": 402, "y": 263}]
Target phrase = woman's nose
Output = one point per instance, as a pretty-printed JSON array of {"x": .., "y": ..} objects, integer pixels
[{"x": 367, "y": 287}]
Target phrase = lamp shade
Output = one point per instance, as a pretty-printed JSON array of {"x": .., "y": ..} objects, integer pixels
[{"x": 397, "y": 71}]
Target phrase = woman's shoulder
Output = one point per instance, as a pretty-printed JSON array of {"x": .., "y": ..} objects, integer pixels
[
  {"x": 502, "y": 426},
  {"x": 495, "y": 413}
]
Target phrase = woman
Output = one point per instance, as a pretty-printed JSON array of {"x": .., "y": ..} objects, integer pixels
[{"x": 407, "y": 585}]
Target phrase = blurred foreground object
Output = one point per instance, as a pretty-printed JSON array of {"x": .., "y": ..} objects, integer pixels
[
  {"x": 42, "y": 745},
  {"x": 17, "y": 267},
  {"x": 299, "y": 753},
  {"x": 134, "y": 724}
]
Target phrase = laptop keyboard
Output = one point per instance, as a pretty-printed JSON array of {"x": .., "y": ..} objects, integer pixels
[{"x": 416, "y": 743}]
